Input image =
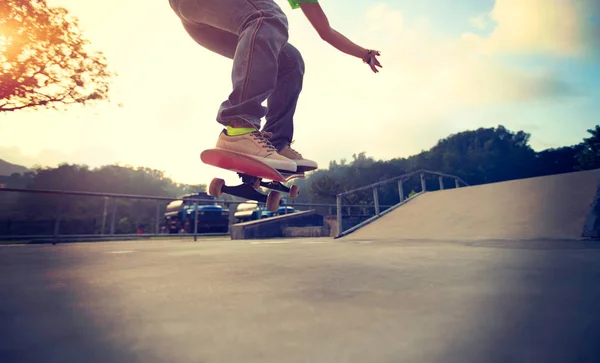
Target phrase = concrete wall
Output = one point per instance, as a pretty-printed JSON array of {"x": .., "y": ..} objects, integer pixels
[{"x": 274, "y": 226}]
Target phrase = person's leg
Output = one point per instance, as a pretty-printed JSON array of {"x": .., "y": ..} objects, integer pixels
[
  {"x": 282, "y": 102},
  {"x": 248, "y": 142},
  {"x": 262, "y": 32},
  {"x": 282, "y": 105},
  {"x": 216, "y": 40}
]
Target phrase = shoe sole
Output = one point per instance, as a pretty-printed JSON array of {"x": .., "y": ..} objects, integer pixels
[
  {"x": 305, "y": 164},
  {"x": 278, "y": 164}
]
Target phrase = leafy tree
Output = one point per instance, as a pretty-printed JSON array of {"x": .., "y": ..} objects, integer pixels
[
  {"x": 44, "y": 59},
  {"x": 324, "y": 187},
  {"x": 588, "y": 156},
  {"x": 556, "y": 161},
  {"x": 478, "y": 156},
  {"x": 34, "y": 213},
  {"x": 482, "y": 156}
]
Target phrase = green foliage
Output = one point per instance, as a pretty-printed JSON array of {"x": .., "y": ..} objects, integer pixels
[
  {"x": 44, "y": 59},
  {"x": 482, "y": 156},
  {"x": 83, "y": 214},
  {"x": 588, "y": 155},
  {"x": 479, "y": 156}
]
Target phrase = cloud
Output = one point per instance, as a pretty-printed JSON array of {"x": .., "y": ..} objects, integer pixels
[
  {"x": 428, "y": 76},
  {"x": 422, "y": 66},
  {"x": 556, "y": 27},
  {"x": 480, "y": 22}
]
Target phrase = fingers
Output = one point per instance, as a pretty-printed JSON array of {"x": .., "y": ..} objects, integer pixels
[
  {"x": 375, "y": 63},
  {"x": 372, "y": 61}
]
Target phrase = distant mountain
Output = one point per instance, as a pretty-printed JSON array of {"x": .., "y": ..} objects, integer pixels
[{"x": 7, "y": 168}]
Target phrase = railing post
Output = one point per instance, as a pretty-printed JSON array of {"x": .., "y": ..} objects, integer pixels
[
  {"x": 441, "y": 183},
  {"x": 339, "y": 214},
  {"x": 401, "y": 190},
  {"x": 376, "y": 199},
  {"x": 195, "y": 221},
  {"x": 423, "y": 185},
  {"x": 232, "y": 207},
  {"x": 104, "y": 215},
  {"x": 113, "y": 216},
  {"x": 456, "y": 183},
  {"x": 157, "y": 217},
  {"x": 57, "y": 220}
]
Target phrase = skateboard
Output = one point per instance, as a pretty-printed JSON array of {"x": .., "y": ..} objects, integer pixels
[{"x": 252, "y": 172}]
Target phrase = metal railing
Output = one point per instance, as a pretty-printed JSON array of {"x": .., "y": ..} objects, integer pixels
[
  {"x": 374, "y": 187},
  {"x": 109, "y": 214}
]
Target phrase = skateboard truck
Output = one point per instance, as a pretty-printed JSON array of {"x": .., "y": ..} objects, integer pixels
[{"x": 248, "y": 190}]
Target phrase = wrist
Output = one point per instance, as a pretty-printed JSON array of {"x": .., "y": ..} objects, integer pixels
[
  {"x": 364, "y": 54},
  {"x": 368, "y": 55}
]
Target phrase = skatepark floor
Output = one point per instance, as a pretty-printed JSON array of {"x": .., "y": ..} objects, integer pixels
[{"x": 300, "y": 300}]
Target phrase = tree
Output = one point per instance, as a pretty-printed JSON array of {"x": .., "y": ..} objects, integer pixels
[
  {"x": 34, "y": 213},
  {"x": 588, "y": 156},
  {"x": 556, "y": 160},
  {"x": 44, "y": 59},
  {"x": 484, "y": 155}
]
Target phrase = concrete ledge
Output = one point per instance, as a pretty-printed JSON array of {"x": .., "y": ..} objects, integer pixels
[
  {"x": 314, "y": 231},
  {"x": 274, "y": 226}
]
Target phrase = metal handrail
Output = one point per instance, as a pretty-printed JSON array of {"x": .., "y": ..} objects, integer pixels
[
  {"x": 110, "y": 209},
  {"x": 404, "y": 177},
  {"x": 400, "y": 179},
  {"x": 157, "y": 198}
]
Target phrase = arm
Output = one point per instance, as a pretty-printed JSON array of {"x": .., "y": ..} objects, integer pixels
[{"x": 316, "y": 16}]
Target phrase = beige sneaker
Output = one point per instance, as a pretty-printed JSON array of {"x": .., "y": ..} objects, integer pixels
[
  {"x": 257, "y": 145},
  {"x": 303, "y": 164}
]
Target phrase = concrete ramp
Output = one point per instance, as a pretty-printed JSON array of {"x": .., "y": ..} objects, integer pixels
[{"x": 549, "y": 207}]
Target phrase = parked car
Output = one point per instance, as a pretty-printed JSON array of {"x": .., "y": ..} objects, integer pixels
[
  {"x": 284, "y": 210},
  {"x": 250, "y": 210},
  {"x": 180, "y": 215}
]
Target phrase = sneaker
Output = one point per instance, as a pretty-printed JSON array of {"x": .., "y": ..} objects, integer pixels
[
  {"x": 257, "y": 145},
  {"x": 302, "y": 163}
]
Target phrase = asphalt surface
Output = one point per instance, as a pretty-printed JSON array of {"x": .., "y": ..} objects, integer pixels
[{"x": 300, "y": 300}]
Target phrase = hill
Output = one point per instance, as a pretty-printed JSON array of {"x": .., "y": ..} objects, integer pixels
[{"x": 7, "y": 168}]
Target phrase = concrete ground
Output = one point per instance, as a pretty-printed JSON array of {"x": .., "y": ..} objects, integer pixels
[{"x": 300, "y": 300}]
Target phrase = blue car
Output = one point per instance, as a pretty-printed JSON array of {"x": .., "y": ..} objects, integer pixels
[{"x": 211, "y": 217}]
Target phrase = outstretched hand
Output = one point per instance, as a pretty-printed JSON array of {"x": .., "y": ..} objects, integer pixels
[{"x": 372, "y": 61}]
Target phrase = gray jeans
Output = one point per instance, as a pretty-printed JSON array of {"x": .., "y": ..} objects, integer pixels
[{"x": 254, "y": 33}]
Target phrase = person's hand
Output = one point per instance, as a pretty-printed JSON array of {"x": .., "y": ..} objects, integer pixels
[{"x": 371, "y": 60}]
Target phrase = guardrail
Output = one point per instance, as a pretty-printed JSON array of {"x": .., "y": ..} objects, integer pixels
[
  {"x": 109, "y": 214},
  {"x": 374, "y": 187}
]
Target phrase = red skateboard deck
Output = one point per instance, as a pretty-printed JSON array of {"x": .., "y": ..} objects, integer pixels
[{"x": 244, "y": 164}]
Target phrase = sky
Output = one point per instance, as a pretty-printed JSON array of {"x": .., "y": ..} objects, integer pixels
[{"x": 448, "y": 66}]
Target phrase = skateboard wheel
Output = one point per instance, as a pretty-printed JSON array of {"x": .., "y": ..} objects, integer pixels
[
  {"x": 215, "y": 187},
  {"x": 273, "y": 200},
  {"x": 294, "y": 191}
]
